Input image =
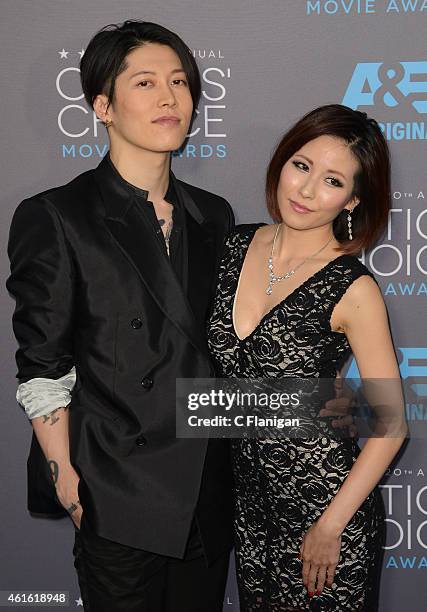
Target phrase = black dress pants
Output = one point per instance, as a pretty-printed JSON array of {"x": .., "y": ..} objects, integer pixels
[{"x": 117, "y": 578}]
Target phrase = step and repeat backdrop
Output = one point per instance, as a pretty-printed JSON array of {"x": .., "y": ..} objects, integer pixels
[{"x": 263, "y": 65}]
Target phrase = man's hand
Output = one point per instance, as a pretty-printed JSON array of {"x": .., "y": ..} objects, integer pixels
[
  {"x": 52, "y": 434},
  {"x": 341, "y": 407},
  {"x": 66, "y": 482}
]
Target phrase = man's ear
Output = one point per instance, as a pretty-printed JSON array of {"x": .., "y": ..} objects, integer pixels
[{"x": 101, "y": 106}]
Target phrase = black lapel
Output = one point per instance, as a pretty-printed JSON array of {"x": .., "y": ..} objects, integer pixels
[
  {"x": 201, "y": 256},
  {"x": 134, "y": 235}
]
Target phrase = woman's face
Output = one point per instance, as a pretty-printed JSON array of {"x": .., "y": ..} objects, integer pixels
[
  {"x": 152, "y": 105},
  {"x": 316, "y": 183}
]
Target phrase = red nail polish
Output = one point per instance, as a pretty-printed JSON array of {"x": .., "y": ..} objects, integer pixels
[
  {"x": 310, "y": 594},
  {"x": 318, "y": 592}
]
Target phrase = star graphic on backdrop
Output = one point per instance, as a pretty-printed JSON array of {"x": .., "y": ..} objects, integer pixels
[
  {"x": 63, "y": 54},
  {"x": 79, "y": 602},
  {"x": 81, "y": 53}
]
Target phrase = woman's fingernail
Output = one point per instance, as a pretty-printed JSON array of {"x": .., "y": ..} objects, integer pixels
[
  {"x": 310, "y": 594},
  {"x": 319, "y": 592}
]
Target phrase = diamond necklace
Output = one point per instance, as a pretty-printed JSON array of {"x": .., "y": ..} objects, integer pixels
[{"x": 275, "y": 279}]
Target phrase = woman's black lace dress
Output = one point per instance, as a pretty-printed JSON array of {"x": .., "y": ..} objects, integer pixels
[{"x": 283, "y": 485}]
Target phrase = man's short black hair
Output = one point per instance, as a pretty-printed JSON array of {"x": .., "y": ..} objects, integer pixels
[{"x": 105, "y": 57}]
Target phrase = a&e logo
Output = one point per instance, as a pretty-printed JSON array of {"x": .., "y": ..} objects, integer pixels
[
  {"x": 413, "y": 370},
  {"x": 401, "y": 86}
]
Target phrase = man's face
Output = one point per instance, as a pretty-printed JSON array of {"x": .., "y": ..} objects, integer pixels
[{"x": 152, "y": 105}]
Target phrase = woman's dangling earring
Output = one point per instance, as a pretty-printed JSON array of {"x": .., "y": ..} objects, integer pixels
[
  {"x": 350, "y": 234},
  {"x": 107, "y": 123}
]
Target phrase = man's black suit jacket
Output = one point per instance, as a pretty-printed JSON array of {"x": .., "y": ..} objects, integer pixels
[{"x": 94, "y": 289}]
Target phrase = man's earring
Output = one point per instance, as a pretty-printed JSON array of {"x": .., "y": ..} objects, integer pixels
[{"x": 350, "y": 234}]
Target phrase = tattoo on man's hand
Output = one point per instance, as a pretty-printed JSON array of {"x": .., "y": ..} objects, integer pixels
[
  {"x": 54, "y": 470},
  {"x": 73, "y": 507}
]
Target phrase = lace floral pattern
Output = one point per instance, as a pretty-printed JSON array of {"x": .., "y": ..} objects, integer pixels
[{"x": 282, "y": 486}]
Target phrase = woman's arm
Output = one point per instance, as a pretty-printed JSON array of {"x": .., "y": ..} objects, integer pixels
[{"x": 362, "y": 316}]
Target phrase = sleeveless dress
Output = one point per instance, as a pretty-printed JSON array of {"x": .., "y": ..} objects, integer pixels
[{"x": 282, "y": 486}]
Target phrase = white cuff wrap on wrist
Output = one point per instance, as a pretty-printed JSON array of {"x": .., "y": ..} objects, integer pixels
[{"x": 41, "y": 396}]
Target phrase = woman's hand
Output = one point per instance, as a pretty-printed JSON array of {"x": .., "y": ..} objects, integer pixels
[{"x": 320, "y": 553}]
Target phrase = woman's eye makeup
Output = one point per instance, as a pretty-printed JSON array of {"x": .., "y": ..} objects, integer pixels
[
  {"x": 334, "y": 181},
  {"x": 331, "y": 179},
  {"x": 299, "y": 164}
]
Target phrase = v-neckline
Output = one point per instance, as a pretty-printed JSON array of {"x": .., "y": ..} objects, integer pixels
[{"x": 282, "y": 302}]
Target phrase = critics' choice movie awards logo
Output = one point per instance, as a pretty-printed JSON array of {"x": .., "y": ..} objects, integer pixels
[
  {"x": 364, "y": 7},
  {"x": 406, "y": 518},
  {"x": 208, "y": 136},
  {"x": 400, "y": 90},
  {"x": 400, "y": 261},
  {"x": 84, "y": 135}
]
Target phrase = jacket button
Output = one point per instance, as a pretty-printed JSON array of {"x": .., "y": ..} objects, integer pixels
[
  {"x": 147, "y": 383},
  {"x": 136, "y": 323},
  {"x": 141, "y": 441}
]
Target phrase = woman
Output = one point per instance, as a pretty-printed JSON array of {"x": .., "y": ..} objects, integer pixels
[{"x": 309, "y": 521}]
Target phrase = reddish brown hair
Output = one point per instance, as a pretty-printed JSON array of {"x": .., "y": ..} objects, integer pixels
[{"x": 371, "y": 184}]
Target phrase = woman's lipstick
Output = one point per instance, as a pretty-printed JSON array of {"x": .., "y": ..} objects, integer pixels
[{"x": 299, "y": 208}]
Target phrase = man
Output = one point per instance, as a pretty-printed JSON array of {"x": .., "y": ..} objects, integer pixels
[{"x": 113, "y": 275}]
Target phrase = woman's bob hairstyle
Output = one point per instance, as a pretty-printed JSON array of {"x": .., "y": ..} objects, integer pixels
[{"x": 371, "y": 183}]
